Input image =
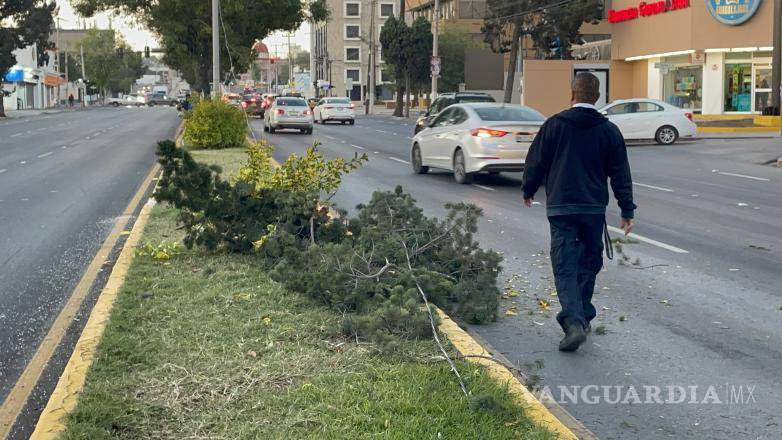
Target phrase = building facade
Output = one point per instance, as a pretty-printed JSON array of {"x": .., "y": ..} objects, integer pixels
[
  {"x": 28, "y": 85},
  {"x": 340, "y": 49}
]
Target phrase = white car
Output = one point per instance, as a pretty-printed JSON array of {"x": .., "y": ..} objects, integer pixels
[
  {"x": 335, "y": 109},
  {"x": 650, "y": 119},
  {"x": 475, "y": 137},
  {"x": 288, "y": 112}
]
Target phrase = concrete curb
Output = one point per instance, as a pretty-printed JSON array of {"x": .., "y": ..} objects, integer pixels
[
  {"x": 738, "y": 129},
  {"x": 533, "y": 408}
]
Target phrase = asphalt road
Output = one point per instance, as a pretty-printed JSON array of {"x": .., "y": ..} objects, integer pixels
[
  {"x": 64, "y": 180},
  {"x": 700, "y": 309}
]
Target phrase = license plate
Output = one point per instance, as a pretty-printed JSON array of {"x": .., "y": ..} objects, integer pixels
[
  {"x": 294, "y": 113},
  {"x": 524, "y": 137}
]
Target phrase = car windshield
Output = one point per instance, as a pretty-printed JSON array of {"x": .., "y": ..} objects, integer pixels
[
  {"x": 338, "y": 101},
  {"x": 292, "y": 102},
  {"x": 502, "y": 113},
  {"x": 477, "y": 98}
]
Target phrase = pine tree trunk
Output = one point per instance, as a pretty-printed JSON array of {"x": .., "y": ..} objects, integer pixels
[
  {"x": 400, "y": 90},
  {"x": 510, "y": 81},
  {"x": 407, "y": 95}
]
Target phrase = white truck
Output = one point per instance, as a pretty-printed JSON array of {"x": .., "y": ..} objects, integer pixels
[{"x": 126, "y": 100}]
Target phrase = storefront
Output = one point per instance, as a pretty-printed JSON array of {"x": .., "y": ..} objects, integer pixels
[{"x": 712, "y": 56}]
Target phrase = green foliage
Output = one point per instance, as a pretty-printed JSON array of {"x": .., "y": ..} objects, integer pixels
[
  {"x": 163, "y": 251},
  {"x": 418, "y": 53},
  {"x": 104, "y": 66},
  {"x": 184, "y": 33},
  {"x": 369, "y": 266},
  {"x": 215, "y": 125},
  {"x": 407, "y": 51}
]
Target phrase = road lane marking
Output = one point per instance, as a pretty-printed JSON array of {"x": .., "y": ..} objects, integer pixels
[
  {"x": 483, "y": 187},
  {"x": 380, "y": 131},
  {"x": 356, "y": 146},
  {"x": 724, "y": 173},
  {"x": 659, "y": 188},
  {"x": 20, "y": 393},
  {"x": 659, "y": 244},
  {"x": 3, "y": 170},
  {"x": 399, "y": 160},
  {"x": 330, "y": 137},
  {"x": 41, "y": 156},
  {"x": 15, "y": 135}
]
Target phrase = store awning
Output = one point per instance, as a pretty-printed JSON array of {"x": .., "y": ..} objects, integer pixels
[
  {"x": 14, "y": 75},
  {"x": 53, "y": 80}
]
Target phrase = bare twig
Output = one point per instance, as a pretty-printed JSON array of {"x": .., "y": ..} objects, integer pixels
[
  {"x": 649, "y": 267},
  {"x": 431, "y": 322}
]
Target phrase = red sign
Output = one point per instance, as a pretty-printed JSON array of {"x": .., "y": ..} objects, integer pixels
[{"x": 645, "y": 9}]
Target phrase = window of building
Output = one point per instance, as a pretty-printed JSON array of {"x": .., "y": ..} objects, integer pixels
[
  {"x": 386, "y": 10},
  {"x": 762, "y": 88},
  {"x": 738, "y": 87},
  {"x": 352, "y": 9},
  {"x": 385, "y": 75},
  {"x": 683, "y": 83},
  {"x": 353, "y": 74},
  {"x": 352, "y": 54},
  {"x": 352, "y": 31}
]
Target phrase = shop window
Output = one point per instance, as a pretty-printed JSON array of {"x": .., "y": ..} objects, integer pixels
[
  {"x": 683, "y": 87},
  {"x": 762, "y": 88},
  {"x": 738, "y": 87}
]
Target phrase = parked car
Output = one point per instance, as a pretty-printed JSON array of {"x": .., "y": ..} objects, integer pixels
[
  {"x": 158, "y": 98},
  {"x": 335, "y": 109},
  {"x": 288, "y": 112},
  {"x": 232, "y": 99},
  {"x": 650, "y": 119},
  {"x": 443, "y": 101},
  {"x": 477, "y": 137},
  {"x": 267, "y": 100},
  {"x": 126, "y": 100},
  {"x": 251, "y": 103}
]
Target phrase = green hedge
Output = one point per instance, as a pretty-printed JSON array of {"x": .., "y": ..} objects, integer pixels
[{"x": 215, "y": 125}]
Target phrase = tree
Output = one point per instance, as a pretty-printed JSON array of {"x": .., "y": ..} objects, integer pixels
[
  {"x": 101, "y": 61},
  {"x": 504, "y": 19},
  {"x": 32, "y": 21},
  {"x": 559, "y": 28},
  {"x": 131, "y": 67},
  {"x": 184, "y": 30},
  {"x": 418, "y": 52},
  {"x": 454, "y": 41}
]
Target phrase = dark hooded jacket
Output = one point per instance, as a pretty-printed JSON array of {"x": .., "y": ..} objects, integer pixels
[{"x": 573, "y": 155}]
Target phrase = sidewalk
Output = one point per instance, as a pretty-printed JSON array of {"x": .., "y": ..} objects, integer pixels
[{"x": 19, "y": 114}]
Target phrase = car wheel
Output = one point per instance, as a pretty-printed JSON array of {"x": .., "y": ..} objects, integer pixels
[
  {"x": 272, "y": 129},
  {"x": 666, "y": 135},
  {"x": 152, "y": 104},
  {"x": 417, "y": 161},
  {"x": 460, "y": 173},
  {"x": 309, "y": 130},
  {"x": 115, "y": 104},
  {"x": 265, "y": 127},
  {"x": 352, "y": 122}
]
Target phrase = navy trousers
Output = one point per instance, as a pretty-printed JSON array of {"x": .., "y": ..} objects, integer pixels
[{"x": 576, "y": 257}]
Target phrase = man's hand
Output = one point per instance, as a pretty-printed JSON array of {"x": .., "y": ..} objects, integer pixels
[
  {"x": 528, "y": 202},
  {"x": 626, "y": 225}
]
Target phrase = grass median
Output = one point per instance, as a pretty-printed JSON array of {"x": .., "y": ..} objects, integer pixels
[{"x": 205, "y": 345}]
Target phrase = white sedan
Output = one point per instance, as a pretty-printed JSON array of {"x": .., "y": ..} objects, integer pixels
[
  {"x": 335, "y": 109},
  {"x": 476, "y": 137},
  {"x": 288, "y": 112},
  {"x": 650, "y": 119}
]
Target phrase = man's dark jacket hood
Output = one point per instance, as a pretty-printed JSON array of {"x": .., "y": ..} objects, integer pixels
[{"x": 573, "y": 156}]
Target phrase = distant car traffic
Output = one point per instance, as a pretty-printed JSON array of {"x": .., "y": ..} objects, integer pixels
[
  {"x": 126, "y": 100},
  {"x": 288, "y": 112},
  {"x": 160, "y": 98},
  {"x": 232, "y": 99},
  {"x": 478, "y": 137},
  {"x": 251, "y": 103},
  {"x": 335, "y": 109},
  {"x": 650, "y": 119},
  {"x": 443, "y": 101},
  {"x": 267, "y": 99}
]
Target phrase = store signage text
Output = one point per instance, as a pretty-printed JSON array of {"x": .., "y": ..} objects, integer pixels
[
  {"x": 732, "y": 12},
  {"x": 646, "y": 9}
]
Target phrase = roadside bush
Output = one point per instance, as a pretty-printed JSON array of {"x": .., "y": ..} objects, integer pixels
[
  {"x": 370, "y": 267},
  {"x": 215, "y": 125}
]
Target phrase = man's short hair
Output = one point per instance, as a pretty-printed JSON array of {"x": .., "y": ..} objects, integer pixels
[{"x": 586, "y": 88}]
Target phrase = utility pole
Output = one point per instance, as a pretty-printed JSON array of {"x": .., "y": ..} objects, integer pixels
[
  {"x": 290, "y": 61},
  {"x": 216, "y": 48},
  {"x": 435, "y": 42},
  {"x": 83, "y": 78},
  {"x": 776, "y": 66},
  {"x": 57, "y": 64},
  {"x": 371, "y": 61}
]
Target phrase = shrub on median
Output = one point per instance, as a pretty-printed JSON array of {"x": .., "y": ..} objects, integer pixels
[
  {"x": 215, "y": 125},
  {"x": 370, "y": 266}
]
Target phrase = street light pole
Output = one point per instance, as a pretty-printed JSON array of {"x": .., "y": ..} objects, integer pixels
[
  {"x": 215, "y": 48},
  {"x": 435, "y": 44},
  {"x": 371, "y": 61},
  {"x": 776, "y": 66}
]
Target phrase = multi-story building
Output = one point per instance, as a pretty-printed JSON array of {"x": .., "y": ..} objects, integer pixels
[{"x": 341, "y": 50}]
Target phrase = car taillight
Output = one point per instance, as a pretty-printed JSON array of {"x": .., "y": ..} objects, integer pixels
[
  {"x": 487, "y": 132},
  {"x": 352, "y": 105},
  {"x": 244, "y": 104},
  {"x": 252, "y": 100},
  {"x": 308, "y": 112},
  {"x": 689, "y": 115},
  {"x": 280, "y": 111},
  {"x": 264, "y": 105}
]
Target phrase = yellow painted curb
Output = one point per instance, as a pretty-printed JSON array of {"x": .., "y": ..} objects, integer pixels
[
  {"x": 533, "y": 408},
  {"x": 737, "y": 129},
  {"x": 71, "y": 384}
]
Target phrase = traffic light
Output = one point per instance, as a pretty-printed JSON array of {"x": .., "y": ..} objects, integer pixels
[{"x": 146, "y": 51}]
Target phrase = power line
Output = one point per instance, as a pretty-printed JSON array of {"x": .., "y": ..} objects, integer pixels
[{"x": 533, "y": 11}]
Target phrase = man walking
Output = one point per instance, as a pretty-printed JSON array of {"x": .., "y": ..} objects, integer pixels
[
  {"x": 70, "y": 100},
  {"x": 573, "y": 156}
]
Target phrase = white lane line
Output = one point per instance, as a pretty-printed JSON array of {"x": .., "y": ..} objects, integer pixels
[
  {"x": 659, "y": 244},
  {"x": 658, "y": 188},
  {"x": 64, "y": 147},
  {"x": 330, "y": 137},
  {"x": 487, "y": 188},
  {"x": 381, "y": 131},
  {"x": 356, "y": 146},
  {"x": 41, "y": 156},
  {"x": 762, "y": 179},
  {"x": 3, "y": 170},
  {"x": 399, "y": 160},
  {"x": 15, "y": 135}
]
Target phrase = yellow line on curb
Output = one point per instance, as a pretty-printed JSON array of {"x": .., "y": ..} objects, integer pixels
[
  {"x": 533, "y": 408},
  {"x": 763, "y": 129},
  {"x": 71, "y": 384},
  {"x": 20, "y": 393}
]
